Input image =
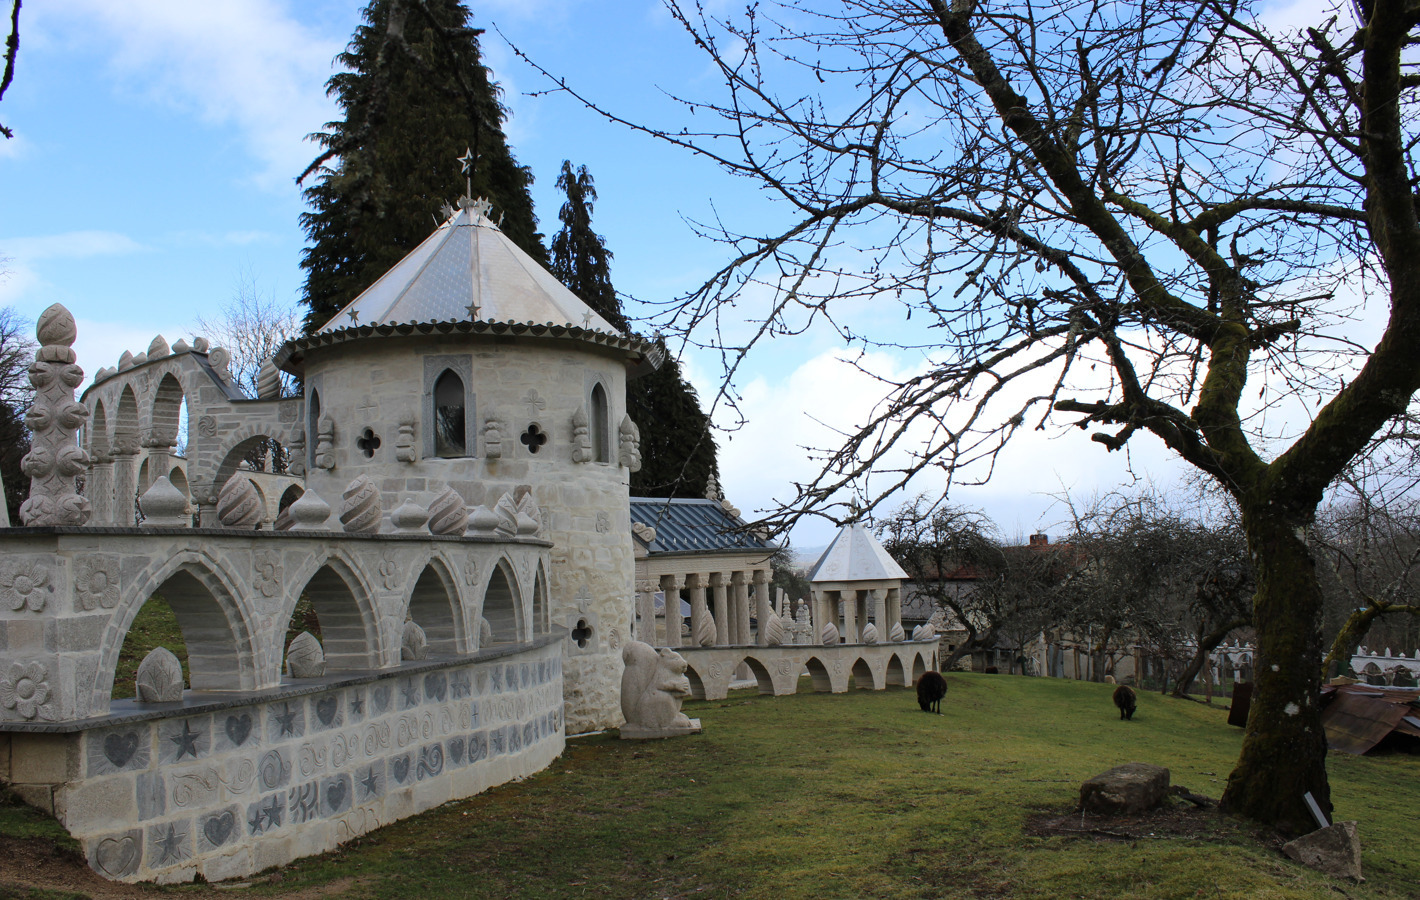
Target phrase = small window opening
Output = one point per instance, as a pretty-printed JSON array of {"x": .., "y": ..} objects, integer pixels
[
  {"x": 449, "y": 433},
  {"x": 601, "y": 443},
  {"x": 533, "y": 438},
  {"x": 368, "y": 443},
  {"x": 582, "y": 633}
]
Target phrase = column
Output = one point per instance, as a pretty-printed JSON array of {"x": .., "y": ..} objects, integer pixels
[
  {"x": 160, "y": 448},
  {"x": 125, "y": 480},
  {"x": 850, "y": 616},
  {"x": 670, "y": 585},
  {"x": 698, "y": 612},
  {"x": 99, "y": 486},
  {"x": 878, "y": 601},
  {"x": 723, "y": 635},
  {"x": 894, "y": 611},
  {"x": 646, "y": 615},
  {"x": 764, "y": 607},
  {"x": 741, "y": 606}
]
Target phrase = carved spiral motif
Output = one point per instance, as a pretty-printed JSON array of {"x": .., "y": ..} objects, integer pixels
[
  {"x": 239, "y": 505},
  {"x": 870, "y": 633},
  {"x": 705, "y": 634},
  {"x": 448, "y": 514},
  {"x": 360, "y": 511},
  {"x": 774, "y": 631},
  {"x": 896, "y": 633},
  {"x": 268, "y": 381},
  {"x": 828, "y": 634}
]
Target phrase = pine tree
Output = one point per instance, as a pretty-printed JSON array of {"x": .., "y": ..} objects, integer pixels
[
  {"x": 416, "y": 96},
  {"x": 677, "y": 445}
]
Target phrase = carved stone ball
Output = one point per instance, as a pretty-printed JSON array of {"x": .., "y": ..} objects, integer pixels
[
  {"x": 828, "y": 634},
  {"x": 309, "y": 512},
  {"x": 163, "y": 505},
  {"x": 448, "y": 513},
  {"x": 409, "y": 517},
  {"x": 482, "y": 521},
  {"x": 56, "y": 327},
  {"x": 896, "y": 634},
  {"x": 414, "y": 645},
  {"x": 239, "y": 504},
  {"x": 870, "y": 633},
  {"x": 305, "y": 658},
  {"x": 159, "y": 677},
  {"x": 774, "y": 631},
  {"x": 360, "y": 511}
]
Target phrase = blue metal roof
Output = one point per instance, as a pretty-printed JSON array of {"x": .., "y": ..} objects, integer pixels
[{"x": 693, "y": 526}]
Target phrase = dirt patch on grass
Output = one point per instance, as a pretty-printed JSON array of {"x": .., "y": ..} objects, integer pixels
[
  {"x": 27, "y": 863},
  {"x": 1172, "y": 821}
]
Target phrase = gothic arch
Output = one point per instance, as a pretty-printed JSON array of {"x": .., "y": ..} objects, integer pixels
[
  {"x": 599, "y": 422},
  {"x": 98, "y": 430},
  {"x": 125, "y": 425},
  {"x": 433, "y": 604},
  {"x": 541, "y": 612},
  {"x": 896, "y": 673},
  {"x": 165, "y": 410},
  {"x": 697, "y": 684},
  {"x": 501, "y": 605},
  {"x": 819, "y": 673},
  {"x": 762, "y": 678},
  {"x": 236, "y": 449},
  {"x": 862, "y": 676},
  {"x": 216, "y": 627},
  {"x": 349, "y": 621}
]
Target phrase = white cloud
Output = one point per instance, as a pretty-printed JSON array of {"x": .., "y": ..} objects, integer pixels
[
  {"x": 18, "y": 274},
  {"x": 247, "y": 64}
]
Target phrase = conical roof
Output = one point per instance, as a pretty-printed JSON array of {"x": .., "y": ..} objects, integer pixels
[
  {"x": 855, "y": 555},
  {"x": 467, "y": 270}
]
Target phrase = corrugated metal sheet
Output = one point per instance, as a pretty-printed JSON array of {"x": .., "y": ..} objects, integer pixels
[
  {"x": 1355, "y": 723},
  {"x": 693, "y": 526}
]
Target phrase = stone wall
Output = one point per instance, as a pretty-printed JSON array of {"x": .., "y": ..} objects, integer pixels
[
  {"x": 834, "y": 668},
  {"x": 228, "y": 787}
]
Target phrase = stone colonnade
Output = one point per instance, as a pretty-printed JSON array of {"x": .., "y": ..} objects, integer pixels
[
  {"x": 722, "y": 604},
  {"x": 850, "y": 608}
]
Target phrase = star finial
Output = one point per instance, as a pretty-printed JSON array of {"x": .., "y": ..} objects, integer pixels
[
  {"x": 473, "y": 309},
  {"x": 587, "y": 319},
  {"x": 354, "y": 315},
  {"x": 467, "y": 160}
]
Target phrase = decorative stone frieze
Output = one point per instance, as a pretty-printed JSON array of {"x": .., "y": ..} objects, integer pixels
[
  {"x": 159, "y": 678},
  {"x": 360, "y": 510},
  {"x": 55, "y": 457}
]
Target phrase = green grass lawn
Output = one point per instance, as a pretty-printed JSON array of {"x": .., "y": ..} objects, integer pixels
[{"x": 862, "y": 795}]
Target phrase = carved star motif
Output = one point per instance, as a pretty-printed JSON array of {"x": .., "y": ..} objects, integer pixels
[
  {"x": 467, "y": 160},
  {"x": 371, "y": 783},
  {"x": 186, "y": 742},
  {"x": 255, "y": 821},
  {"x": 171, "y": 843},
  {"x": 272, "y": 813},
  {"x": 287, "y": 721},
  {"x": 357, "y": 706},
  {"x": 411, "y": 693}
]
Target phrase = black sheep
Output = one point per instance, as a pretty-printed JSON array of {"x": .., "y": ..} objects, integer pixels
[
  {"x": 1126, "y": 701},
  {"x": 931, "y": 688}
]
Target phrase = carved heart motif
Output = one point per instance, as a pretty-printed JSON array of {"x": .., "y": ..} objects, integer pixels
[
  {"x": 239, "y": 728},
  {"x": 117, "y": 857},
  {"x": 335, "y": 794},
  {"x": 401, "y": 768},
  {"x": 325, "y": 710},
  {"x": 219, "y": 828},
  {"x": 119, "y": 748}
]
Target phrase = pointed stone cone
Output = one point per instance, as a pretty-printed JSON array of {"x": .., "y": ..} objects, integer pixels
[
  {"x": 304, "y": 657},
  {"x": 774, "y": 631},
  {"x": 482, "y": 521},
  {"x": 309, "y": 512},
  {"x": 409, "y": 517},
  {"x": 896, "y": 634},
  {"x": 829, "y": 634},
  {"x": 869, "y": 634},
  {"x": 159, "y": 348},
  {"x": 163, "y": 505},
  {"x": 414, "y": 645},
  {"x": 268, "y": 381},
  {"x": 159, "y": 678}
]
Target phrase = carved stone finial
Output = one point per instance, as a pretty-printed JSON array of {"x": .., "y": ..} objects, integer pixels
[
  {"x": 239, "y": 504},
  {"x": 507, "y": 512},
  {"x": 896, "y": 634},
  {"x": 712, "y": 489},
  {"x": 828, "y": 634},
  {"x": 493, "y": 429},
  {"x": 705, "y": 633},
  {"x": 163, "y": 505},
  {"x": 200, "y": 344},
  {"x": 483, "y": 520},
  {"x": 159, "y": 348},
  {"x": 55, "y": 456},
  {"x": 529, "y": 517},
  {"x": 304, "y": 657},
  {"x": 404, "y": 443},
  {"x": 409, "y": 517},
  {"x": 653, "y": 684},
  {"x": 181, "y": 346},
  {"x": 414, "y": 645},
  {"x": 924, "y": 632},
  {"x": 219, "y": 358},
  {"x": 360, "y": 512},
  {"x": 325, "y": 443},
  {"x": 159, "y": 678},
  {"x": 581, "y": 436},
  {"x": 448, "y": 513},
  {"x": 268, "y": 381},
  {"x": 309, "y": 512},
  {"x": 869, "y": 635},
  {"x": 774, "y": 631},
  {"x": 630, "y": 444}
]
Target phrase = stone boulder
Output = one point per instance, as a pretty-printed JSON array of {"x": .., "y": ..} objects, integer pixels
[
  {"x": 1125, "y": 790},
  {"x": 1335, "y": 850}
]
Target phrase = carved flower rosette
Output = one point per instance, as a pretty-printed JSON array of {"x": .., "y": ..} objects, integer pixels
[
  {"x": 25, "y": 584},
  {"x": 96, "y": 582},
  {"x": 24, "y": 688}
]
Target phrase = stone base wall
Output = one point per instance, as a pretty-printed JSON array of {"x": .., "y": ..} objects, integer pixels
[
  {"x": 777, "y": 670},
  {"x": 228, "y": 788}
]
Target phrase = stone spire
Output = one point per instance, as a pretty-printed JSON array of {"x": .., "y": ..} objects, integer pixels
[{"x": 55, "y": 456}]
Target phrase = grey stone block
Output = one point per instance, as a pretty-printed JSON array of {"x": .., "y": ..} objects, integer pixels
[
  {"x": 237, "y": 730},
  {"x": 218, "y": 829},
  {"x": 151, "y": 795},
  {"x": 266, "y": 814},
  {"x": 273, "y": 769},
  {"x": 168, "y": 843},
  {"x": 1125, "y": 790},
  {"x": 325, "y": 712},
  {"x": 128, "y": 748},
  {"x": 371, "y": 782},
  {"x": 285, "y": 720},
  {"x": 336, "y": 794},
  {"x": 181, "y": 740},
  {"x": 116, "y": 855}
]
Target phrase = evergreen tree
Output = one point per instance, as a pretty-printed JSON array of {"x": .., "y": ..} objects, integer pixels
[
  {"x": 677, "y": 446},
  {"x": 415, "y": 96}
]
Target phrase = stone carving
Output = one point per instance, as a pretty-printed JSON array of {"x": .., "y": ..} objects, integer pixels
[
  {"x": 712, "y": 489},
  {"x": 309, "y": 512},
  {"x": 774, "y": 630},
  {"x": 360, "y": 511},
  {"x": 159, "y": 677},
  {"x": 528, "y": 517},
  {"x": 239, "y": 504},
  {"x": 630, "y": 444},
  {"x": 448, "y": 514},
  {"x": 24, "y": 688},
  {"x": 219, "y": 358},
  {"x": 493, "y": 430},
  {"x": 304, "y": 657},
  {"x": 268, "y": 381},
  {"x": 388, "y": 569},
  {"x": 118, "y": 857},
  {"x": 325, "y": 443},
  {"x": 829, "y": 633},
  {"x": 482, "y": 520},
  {"x": 413, "y": 645},
  {"x": 924, "y": 632},
  {"x": 181, "y": 346},
  {"x": 125, "y": 361},
  {"x": 485, "y": 632},
  {"x": 55, "y": 456},
  {"x": 603, "y": 521},
  {"x": 296, "y": 454},
  {"x": 645, "y": 532},
  {"x": 163, "y": 505},
  {"x": 409, "y": 517},
  {"x": 653, "y": 684},
  {"x": 266, "y": 573},
  {"x": 200, "y": 344},
  {"x": 895, "y": 634},
  {"x": 159, "y": 348},
  {"x": 869, "y": 634},
  {"x": 507, "y": 512},
  {"x": 404, "y": 443},
  {"x": 25, "y": 583},
  {"x": 207, "y": 426},
  {"x": 581, "y": 436},
  {"x": 705, "y": 632},
  {"x": 139, "y": 360},
  {"x": 1335, "y": 850}
]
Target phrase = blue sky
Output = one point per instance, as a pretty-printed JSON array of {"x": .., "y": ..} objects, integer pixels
[{"x": 154, "y": 163}]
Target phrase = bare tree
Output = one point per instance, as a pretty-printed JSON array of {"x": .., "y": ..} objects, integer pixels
[
  {"x": 1132, "y": 207},
  {"x": 17, "y": 351},
  {"x": 12, "y": 49},
  {"x": 253, "y": 326}
]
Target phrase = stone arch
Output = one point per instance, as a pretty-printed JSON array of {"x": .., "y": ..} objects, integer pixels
[
  {"x": 349, "y": 623},
  {"x": 166, "y": 410},
  {"x": 541, "y": 613},
  {"x": 312, "y": 427},
  {"x": 819, "y": 673},
  {"x": 215, "y": 627},
  {"x": 125, "y": 424},
  {"x": 919, "y": 667},
  {"x": 599, "y": 422},
  {"x": 178, "y": 478},
  {"x": 896, "y": 672},
  {"x": 289, "y": 496},
  {"x": 501, "y": 606},
  {"x": 449, "y": 415},
  {"x": 433, "y": 604},
  {"x": 98, "y": 429},
  {"x": 697, "y": 684},
  {"x": 761, "y": 674},
  {"x": 861, "y": 676},
  {"x": 237, "y": 448}
]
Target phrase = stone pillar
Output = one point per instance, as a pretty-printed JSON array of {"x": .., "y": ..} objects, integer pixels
[
  {"x": 646, "y": 615},
  {"x": 125, "y": 480},
  {"x": 160, "y": 448},
  {"x": 696, "y": 585},
  {"x": 894, "y": 609},
  {"x": 723, "y": 635},
  {"x": 850, "y": 616},
  {"x": 878, "y": 601},
  {"x": 763, "y": 605},
  {"x": 670, "y": 586},
  {"x": 741, "y": 606},
  {"x": 99, "y": 486}
]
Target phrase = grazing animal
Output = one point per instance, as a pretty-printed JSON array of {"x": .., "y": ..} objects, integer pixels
[
  {"x": 1126, "y": 701},
  {"x": 931, "y": 688}
]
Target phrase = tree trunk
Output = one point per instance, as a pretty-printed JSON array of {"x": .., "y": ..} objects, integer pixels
[
  {"x": 1284, "y": 751},
  {"x": 1206, "y": 645},
  {"x": 1348, "y": 640}
]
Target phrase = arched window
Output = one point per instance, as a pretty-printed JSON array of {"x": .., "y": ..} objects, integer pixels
[
  {"x": 449, "y": 433},
  {"x": 601, "y": 429}
]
